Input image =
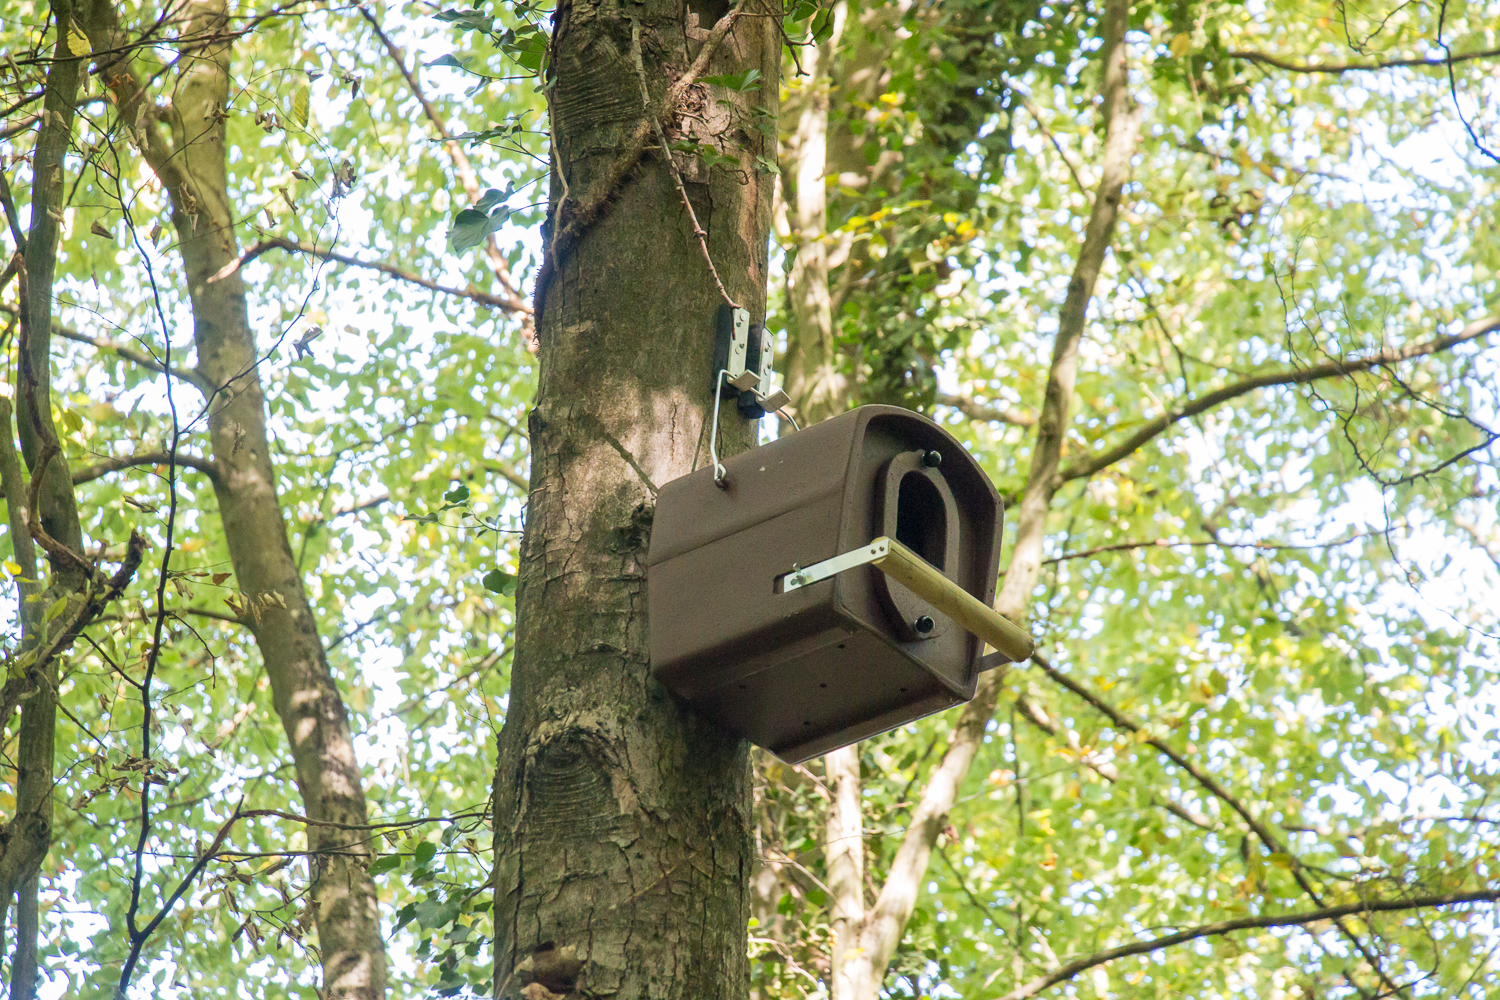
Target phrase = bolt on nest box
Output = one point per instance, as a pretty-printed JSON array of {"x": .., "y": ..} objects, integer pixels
[{"x": 830, "y": 585}]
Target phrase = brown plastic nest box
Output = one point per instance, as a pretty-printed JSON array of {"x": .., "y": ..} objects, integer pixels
[{"x": 833, "y": 587}]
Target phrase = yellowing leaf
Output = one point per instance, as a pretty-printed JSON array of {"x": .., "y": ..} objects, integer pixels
[
  {"x": 1282, "y": 861},
  {"x": 191, "y": 545},
  {"x": 1181, "y": 45},
  {"x": 78, "y": 42},
  {"x": 302, "y": 105}
]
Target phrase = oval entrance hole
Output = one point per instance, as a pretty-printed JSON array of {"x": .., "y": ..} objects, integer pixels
[{"x": 921, "y": 519}]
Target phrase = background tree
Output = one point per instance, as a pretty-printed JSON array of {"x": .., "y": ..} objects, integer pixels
[{"x": 988, "y": 91}]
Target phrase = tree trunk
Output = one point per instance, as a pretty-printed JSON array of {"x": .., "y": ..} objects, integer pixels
[
  {"x": 844, "y": 856},
  {"x": 28, "y": 836},
  {"x": 623, "y": 843},
  {"x": 818, "y": 387},
  {"x": 192, "y": 166}
]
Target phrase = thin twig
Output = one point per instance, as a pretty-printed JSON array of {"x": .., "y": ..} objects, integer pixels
[
  {"x": 466, "y": 175},
  {"x": 1295, "y": 67},
  {"x": 290, "y": 246},
  {"x": 1261, "y": 831},
  {"x": 1297, "y": 376},
  {"x": 1164, "y": 543},
  {"x": 1335, "y": 913}
]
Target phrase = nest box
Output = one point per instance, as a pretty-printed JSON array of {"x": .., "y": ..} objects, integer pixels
[{"x": 836, "y": 584}]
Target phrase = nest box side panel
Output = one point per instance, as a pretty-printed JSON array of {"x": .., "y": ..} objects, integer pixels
[
  {"x": 716, "y": 554},
  {"x": 850, "y": 686},
  {"x": 714, "y": 615}
]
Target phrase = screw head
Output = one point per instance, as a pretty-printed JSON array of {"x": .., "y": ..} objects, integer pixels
[
  {"x": 923, "y": 625},
  {"x": 932, "y": 459}
]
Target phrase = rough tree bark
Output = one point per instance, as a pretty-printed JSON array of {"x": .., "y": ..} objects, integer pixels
[
  {"x": 865, "y": 937},
  {"x": 183, "y": 142},
  {"x": 622, "y": 820}
]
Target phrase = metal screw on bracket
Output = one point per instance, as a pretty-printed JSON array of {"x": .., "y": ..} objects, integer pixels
[{"x": 923, "y": 625}]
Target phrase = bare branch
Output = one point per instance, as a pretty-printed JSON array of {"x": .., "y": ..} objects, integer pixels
[
  {"x": 132, "y": 354},
  {"x": 390, "y": 270},
  {"x": 1185, "y": 814},
  {"x": 979, "y": 411},
  {"x": 1296, "y": 376},
  {"x": 90, "y": 473},
  {"x": 1166, "y": 543},
  {"x": 1036, "y": 116},
  {"x": 1336, "y": 913},
  {"x": 1261, "y": 831},
  {"x": 461, "y": 164},
  {"x": 1281, "y": 62}
]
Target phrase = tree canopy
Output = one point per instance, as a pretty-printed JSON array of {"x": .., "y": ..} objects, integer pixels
[{"x": 1209, "y": 289}]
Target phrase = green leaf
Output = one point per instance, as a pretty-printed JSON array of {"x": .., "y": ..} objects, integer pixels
[
  {"x": 384, "y": 864},
  {"x": 424, "y": 853},
  {"x": 55, "y": 608},
  {"x": 468, "y": 20},
  {"x": 497, "y": 581},
  {"x": 471, "y": 227},
  {"x": 748, "y": 80},
  {"x": 458, "y": 494},
  {"x": 449, "y": 60},
  {"x": 490, "y": 199},
  {"x": 302, "y": 105}
]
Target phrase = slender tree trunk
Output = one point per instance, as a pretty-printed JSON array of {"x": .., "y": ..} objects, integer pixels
[
  {"x": 815, "y": 382},
  {"x": 844, "y": 856},
  {"x": 29, "y": 834},
  {"x": 881, "y": 925},
  {"x": 623, "y": 845},
  {"x": 191, "y": 163}
]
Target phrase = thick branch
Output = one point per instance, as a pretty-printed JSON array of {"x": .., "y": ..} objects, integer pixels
[
  {"x": 1296, "y": 67},
  {"x": 277, "y": 243},
  {"x": 100, "y": 469},
  {"x": 1297, "y": 376},
  {"x": 1078, "y": 965},
  {"x": 1122, "y": 128}
]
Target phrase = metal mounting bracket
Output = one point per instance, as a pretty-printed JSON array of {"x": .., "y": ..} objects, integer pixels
[
  {"x": 761, "y": 399},
  {"x": 923, "y": 579},
  {"x": 732, "y": 371}
]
